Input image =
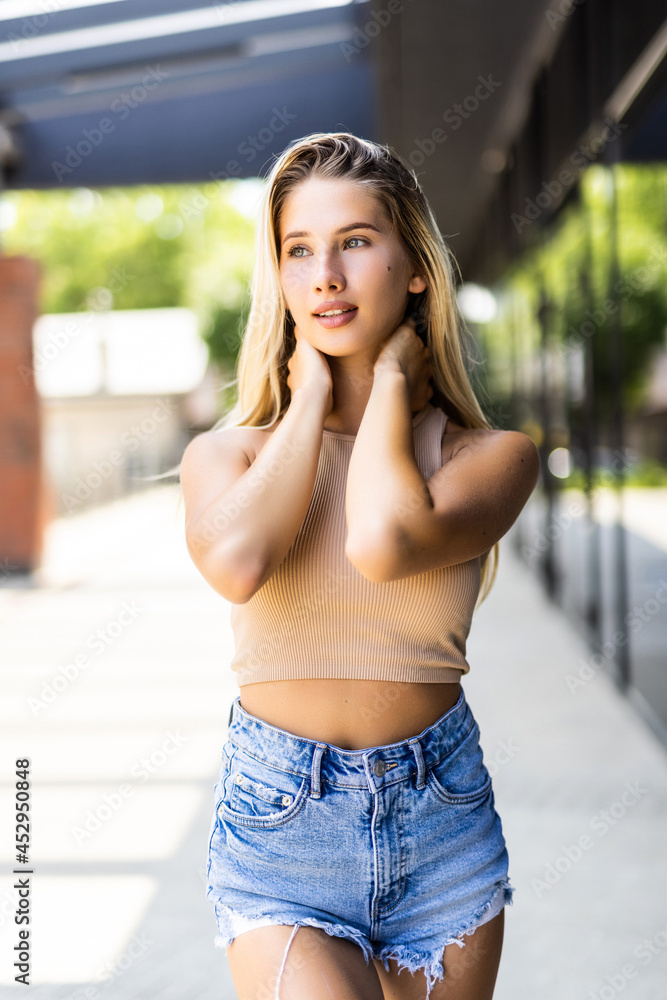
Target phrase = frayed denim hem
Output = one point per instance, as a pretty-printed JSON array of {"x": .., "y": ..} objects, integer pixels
[
  {"x": 403, "y": 955},
  {"x": 431, "y": 964},
  {"x": 251, "y": 923}
]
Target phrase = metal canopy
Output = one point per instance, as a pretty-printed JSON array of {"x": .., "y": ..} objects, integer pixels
[{"x": 167, "y": 91}]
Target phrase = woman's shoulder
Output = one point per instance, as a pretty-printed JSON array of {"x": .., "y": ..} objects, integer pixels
[
  {"x": 218, "y": 442},
  {"x": 251, "y": 440},
  {"x": 456, "y": 436}
]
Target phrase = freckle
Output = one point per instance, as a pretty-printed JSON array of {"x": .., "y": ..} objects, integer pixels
[{"x": 388, "y": 268}]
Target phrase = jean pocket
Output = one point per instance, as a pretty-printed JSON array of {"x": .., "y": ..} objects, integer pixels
[
  {"x": 461, "y": 777},
  {"x": 256, "y": 796}
]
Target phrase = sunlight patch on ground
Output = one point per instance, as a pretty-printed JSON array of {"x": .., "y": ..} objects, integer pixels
[{"x": 83, "y": 927}]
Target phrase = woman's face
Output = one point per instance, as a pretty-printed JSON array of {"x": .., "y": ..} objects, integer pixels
[{"x": 337, "y": 245}]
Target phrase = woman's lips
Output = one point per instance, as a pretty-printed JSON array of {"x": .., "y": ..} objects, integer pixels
[{"x": 330, "y": 322}]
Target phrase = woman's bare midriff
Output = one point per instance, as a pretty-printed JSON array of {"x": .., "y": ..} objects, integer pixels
[{"x": 350, "y": 714}]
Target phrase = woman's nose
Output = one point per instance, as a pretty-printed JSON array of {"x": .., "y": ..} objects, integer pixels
[{"x": 328, "y": 274}]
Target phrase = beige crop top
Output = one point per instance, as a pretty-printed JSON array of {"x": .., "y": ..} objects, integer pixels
[{"x": 317, "y": 616}]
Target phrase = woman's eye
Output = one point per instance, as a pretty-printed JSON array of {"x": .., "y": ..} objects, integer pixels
[{"x": 352, "y": 239}]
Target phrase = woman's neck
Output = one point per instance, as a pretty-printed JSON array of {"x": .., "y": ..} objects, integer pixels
[{"x": 352, "y": 385}]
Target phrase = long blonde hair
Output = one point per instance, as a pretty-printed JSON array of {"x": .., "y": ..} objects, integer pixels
[{"x": 268, "y": 341}]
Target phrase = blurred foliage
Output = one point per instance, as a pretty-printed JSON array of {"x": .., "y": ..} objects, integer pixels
[
  {"x": 223, "y": 331},
  {"x": 645, "y": 472},
  {"x": 150, "y": 246},
  {"x": 573, "y": 263}
]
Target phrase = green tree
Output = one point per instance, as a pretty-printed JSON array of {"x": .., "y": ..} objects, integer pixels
[{"x": 148, "y": 246}]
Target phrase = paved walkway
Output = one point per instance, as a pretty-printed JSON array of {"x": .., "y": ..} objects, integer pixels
[{"x": 115, "y": 685}]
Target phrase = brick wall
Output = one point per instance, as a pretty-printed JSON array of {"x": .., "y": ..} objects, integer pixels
[{"x": 22, "y": 501}]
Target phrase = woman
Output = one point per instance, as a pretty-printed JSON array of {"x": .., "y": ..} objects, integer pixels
[{"x": 346, "y": 508}]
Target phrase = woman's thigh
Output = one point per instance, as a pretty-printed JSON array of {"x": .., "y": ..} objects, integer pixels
[
  {"x": 317, "y": 965},
  {"x": 469, "y": 972}
]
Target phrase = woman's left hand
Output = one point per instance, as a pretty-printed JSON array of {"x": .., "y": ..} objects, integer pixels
[{"x": 405, "y": 352}]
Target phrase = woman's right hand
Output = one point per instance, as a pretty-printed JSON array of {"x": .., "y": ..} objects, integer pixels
[{"x": 308, "y": 367}]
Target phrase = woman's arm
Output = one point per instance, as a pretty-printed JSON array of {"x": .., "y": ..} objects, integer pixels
[
  {"x": 399, "y": 524},
  {"x": 242, "y": 515},
  {"x": 383, "y": 476}
]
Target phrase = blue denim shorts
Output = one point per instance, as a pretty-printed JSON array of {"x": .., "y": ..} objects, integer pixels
[{"x": 397, "y": 848}]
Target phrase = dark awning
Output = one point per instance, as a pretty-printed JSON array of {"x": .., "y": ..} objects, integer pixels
[{"x": 158, "y": 91}]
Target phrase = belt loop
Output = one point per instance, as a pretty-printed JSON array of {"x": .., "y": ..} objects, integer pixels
[
  {"x": 315, "y": 791},
  {"x": 419, "y": 757}
]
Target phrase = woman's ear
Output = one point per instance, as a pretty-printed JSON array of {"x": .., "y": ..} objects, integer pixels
[
  {"x": 417, "y": 284},
  {"x": 416, "y": 310}
]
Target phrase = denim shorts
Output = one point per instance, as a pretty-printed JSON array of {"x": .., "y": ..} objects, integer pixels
[{"x": 397, "y": 848}]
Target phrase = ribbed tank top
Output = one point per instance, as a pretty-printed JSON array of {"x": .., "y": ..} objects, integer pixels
[{"x": 317, "y": 616}]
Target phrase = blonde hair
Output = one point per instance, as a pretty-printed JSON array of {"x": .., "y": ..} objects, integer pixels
[{"x": 268, "y": 341}]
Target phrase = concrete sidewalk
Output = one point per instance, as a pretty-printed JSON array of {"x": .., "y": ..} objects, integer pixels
[
  {"x": 581, "y": 786},
  {"x": 115, "y": 683}
]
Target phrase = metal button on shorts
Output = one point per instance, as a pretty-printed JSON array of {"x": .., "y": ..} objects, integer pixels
[{"x": 379, "y": 768}]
